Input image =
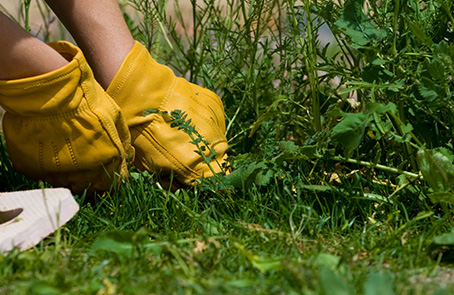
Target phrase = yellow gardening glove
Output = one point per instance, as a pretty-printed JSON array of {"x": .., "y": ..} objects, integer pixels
[
  {"x": 141, "y": 83},
  {"x": 61, "y": 127}
]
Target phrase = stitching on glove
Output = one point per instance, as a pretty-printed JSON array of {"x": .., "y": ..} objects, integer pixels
[
  {"x": 40, "y": 155},
  {"x": 71, "y": 152},
  {"x": 67, "y": 115},
  {"x": 56, "y": 158},
  {"x": 220, "y": 137},
  {"x": 168, "y": 94},
  {"x": 125, "y": 77},
  {"x": 211, "y": 94},
  {"x": 214, "y": 118},
  {"x": 114, "y": 108},
  {"x": 209, "y": 122},
  {"x": 39, "y": 84},
  {"x": 148, "y": 164}
]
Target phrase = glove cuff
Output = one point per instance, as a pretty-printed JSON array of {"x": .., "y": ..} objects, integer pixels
[
  {"x": 61, "y": 127},
  {"x": 50, "y": 94}
]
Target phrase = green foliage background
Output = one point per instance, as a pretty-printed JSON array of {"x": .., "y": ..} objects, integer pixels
[{"x": 341, "y": 154}]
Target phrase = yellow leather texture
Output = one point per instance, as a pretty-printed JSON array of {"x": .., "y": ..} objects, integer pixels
[
  {"x": 61, "y": 127},
  {"x": 141, "y": 83}
]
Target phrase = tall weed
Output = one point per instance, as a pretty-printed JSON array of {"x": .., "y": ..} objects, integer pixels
[{"x": 373, "y": 97}]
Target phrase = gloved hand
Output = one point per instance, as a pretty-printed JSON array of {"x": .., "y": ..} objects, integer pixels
[
  {"x": 61, "y": 127},
  {"x": 141, "y": 83}
]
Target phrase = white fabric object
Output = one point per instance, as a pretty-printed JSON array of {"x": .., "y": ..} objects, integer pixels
[{"x": 27, "y": 217}]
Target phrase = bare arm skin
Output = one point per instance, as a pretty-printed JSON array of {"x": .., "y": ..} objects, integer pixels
[
  {"x": 99, "y": 29},
  {"x": 22, "y": 55}
]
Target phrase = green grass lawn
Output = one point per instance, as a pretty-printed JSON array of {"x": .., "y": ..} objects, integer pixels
[{"x": 342, "y": 162}]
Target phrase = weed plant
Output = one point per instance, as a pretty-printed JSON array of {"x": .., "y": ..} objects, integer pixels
[{"x": 341, "y": 154}]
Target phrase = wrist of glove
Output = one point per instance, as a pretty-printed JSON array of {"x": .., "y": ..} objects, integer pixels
[{"x": 61, "y": 127}]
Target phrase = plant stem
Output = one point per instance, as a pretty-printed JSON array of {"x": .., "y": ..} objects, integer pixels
[
  {"x": 27, "y": 15},
  {"x": 310, "y": 59},
  {"x": 395, "y": 19},
  {"x": 379, "y": 166}
]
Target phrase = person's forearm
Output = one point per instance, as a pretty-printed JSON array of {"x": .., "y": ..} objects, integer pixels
[
  {"x": 22, "y": 55},
  {"x": 98, "y": 27}
]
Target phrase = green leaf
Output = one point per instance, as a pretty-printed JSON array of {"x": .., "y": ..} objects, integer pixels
[
  {"x": 264, "y": 177},
  {"x": 406, "y": 137},
  {"x": 327, "y": 260},
  {"x": 240, "y": 175},
  {"x": 332, "y": 284},
  {"x": 119, "y": 242},
  {"x": 350, "y": 131},
  {"x": 419, "y": 34},
  {"x": 316, "y": 188},
  {"x": 310, "y": 151},
  {"x": 437, "y": 168},
  {"x": 407, "y": 128},
  {"x": 288, "y": 147},
  {"x": 357, "y": 25},
  {"x": 444, "y": 197},
  {"x": 258, "y": 173},
  {"x": 444, "y": 239},
  {"x": 423, "y": 215},
  {"x": 289, "y": 150},
  {"x": 123, "y": 242},
  {"x": 378, "y": 108},
  {"x": 379, "y": 284},
  {"x": 376, "y": 74},
  {"x": 435, "y": 69},
  {"x": 378, "y": 61},
  {"x": 377, "y": 198},
  {"x": 245, "y": 283},
  {"x": 44, "y": 288},
  {"x": 427, "y": 93},
  {"x": 262, "y": 264}
]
